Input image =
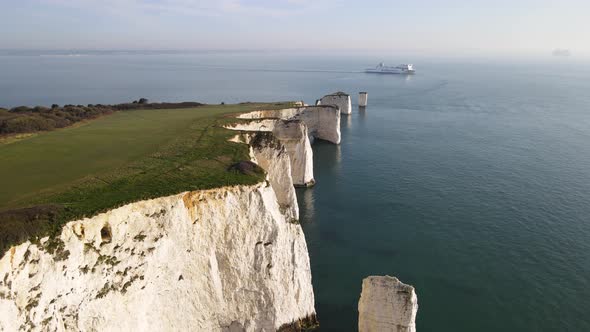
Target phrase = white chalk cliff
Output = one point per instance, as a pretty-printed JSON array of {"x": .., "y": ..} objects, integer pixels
[
  {"x": 293, "y": 135},
  {"x": 387, "y": 305},
  {"x": 338, "y": 99},
  {"x": 296, "y": 128},
  {"x": 216, "y": 260},
  {"x": 323, "y": 122},
  {"x": 226, "y": 259}
]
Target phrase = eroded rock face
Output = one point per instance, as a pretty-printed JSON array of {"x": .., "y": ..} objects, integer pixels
[
  {"x": 387, "y": 304},
  {"x": 323, "y": 122},
  {"x": 339, "y": 99},
  {"x": 294, "y": 137},
  {"x": 227, "y": 259},
  {"x": 271, "y": 155},
  {"x": 215, "y": 260}
]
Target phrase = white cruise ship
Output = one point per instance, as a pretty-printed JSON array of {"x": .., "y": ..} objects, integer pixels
[{"x": 383, "y": 69}]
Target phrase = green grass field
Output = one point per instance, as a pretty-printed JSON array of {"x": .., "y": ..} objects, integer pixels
[{"x": 54, "y": 177}]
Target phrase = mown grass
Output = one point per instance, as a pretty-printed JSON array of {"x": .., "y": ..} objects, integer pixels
[{"x": 57, "y": 176}]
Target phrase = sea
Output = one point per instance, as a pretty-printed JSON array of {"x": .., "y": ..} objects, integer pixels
[{"x": 469, "y": 180}]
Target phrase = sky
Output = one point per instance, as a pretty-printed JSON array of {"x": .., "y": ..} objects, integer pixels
[{"x": 518, "y": 27}]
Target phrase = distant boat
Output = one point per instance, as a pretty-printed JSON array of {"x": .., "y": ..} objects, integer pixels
[
  {"x": 383, "y": 69},
  {"x": 561, "y": 52}
]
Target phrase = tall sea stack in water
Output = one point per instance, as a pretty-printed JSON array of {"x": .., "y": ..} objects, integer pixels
[
  {"x": 339, "y": 99},
  {"x": 387, "y": 305}
]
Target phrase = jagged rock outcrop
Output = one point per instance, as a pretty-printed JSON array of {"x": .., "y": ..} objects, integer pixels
[
  {"x": 215, "y": 260},
  {"x": 339, "y": 99},
  {"x": 294, "y": 137},
  {"x": 226, "y": 259},
  {"x": 270, "y": 154},
  {"x": 323, "y": 122},
  {"x": 387, "y": 304}
]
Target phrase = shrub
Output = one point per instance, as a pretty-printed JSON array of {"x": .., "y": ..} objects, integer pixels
[
  {"x": 40, "y": 109},
  {"x": 25, "y": 124},
  {"x": 20, "y": 109}
]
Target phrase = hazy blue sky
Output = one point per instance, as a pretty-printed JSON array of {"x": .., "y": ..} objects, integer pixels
[{"x": 444, "y": 27}]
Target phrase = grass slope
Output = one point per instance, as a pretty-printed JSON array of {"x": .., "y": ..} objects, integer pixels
[{"x": 57, "y": 176}]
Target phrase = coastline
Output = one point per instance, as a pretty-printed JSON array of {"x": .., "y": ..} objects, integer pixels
[{"x": 101, "y": 249}]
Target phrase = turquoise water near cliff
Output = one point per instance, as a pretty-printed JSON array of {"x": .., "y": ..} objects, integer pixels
[{"x": 469, "y": 180}]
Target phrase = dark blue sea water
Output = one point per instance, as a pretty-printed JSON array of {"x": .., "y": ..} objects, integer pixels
[{"x": 469, "y": 180}]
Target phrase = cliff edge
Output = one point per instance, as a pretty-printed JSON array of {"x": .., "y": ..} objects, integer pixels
[
  {"x": 212, "y": 260},
  {"x": 232, "y": 258}
]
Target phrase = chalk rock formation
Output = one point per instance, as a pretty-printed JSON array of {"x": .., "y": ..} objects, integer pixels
[
  {"x": 293, "y": 135},
  {"x": 387, "y": 304},
  {"x": 270, "y": 154},
  {"x": 339, "y": 99},
  {"x": 225, "y": 259},
  {"x": 322, "y": 122}
]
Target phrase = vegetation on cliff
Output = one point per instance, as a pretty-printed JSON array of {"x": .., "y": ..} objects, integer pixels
[
  {"x": 23, "y": 119},
  {"x": 61, "y": 175}
]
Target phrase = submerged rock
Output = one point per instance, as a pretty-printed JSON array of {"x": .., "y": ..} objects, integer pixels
[{"x": 387, "y": 304}]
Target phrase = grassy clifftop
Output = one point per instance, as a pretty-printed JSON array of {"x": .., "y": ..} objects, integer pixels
[
  {"x": 23, "y": 119},
  {"x": 62, "y": 175}
]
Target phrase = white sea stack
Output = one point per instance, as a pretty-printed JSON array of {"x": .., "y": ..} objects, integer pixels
[
  {"x": 339, "y": 99},
  {"x": 363, "y": 96},
  {"x": 387, "y": 304}
]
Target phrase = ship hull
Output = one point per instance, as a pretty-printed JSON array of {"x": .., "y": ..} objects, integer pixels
[{"x": 372, "y": 71}]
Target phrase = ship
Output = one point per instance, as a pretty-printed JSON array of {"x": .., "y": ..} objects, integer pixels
[{"x": 383, "y": 69}]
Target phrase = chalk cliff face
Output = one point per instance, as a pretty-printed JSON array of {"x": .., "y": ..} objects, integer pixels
[
  {"x": 322, "y": 122},
  {"x": 268, "y": 152},
  {"x": 214, "y": 260},
  {"x": 295, "y": 138},
  {"x": 339, "y": 99},
  {"x": 387, "y": 304},
  {"x": 293, "y": 135},
  {"x": 227, "y": 259}
]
